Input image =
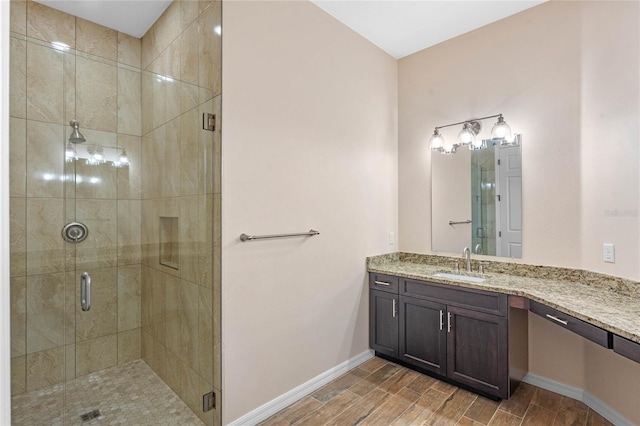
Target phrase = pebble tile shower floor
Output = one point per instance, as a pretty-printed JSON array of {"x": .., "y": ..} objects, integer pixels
[{"x": 129, "y": 394}]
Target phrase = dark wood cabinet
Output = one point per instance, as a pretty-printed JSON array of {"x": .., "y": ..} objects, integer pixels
[
  {"x": 477, "y": 350},
  {"x": 423, "y": 342},
  {"x": 584, "y": 329},
  {"x": 626, "y": 348},
  {"x": 383, "y": 322},
  {"x": 461, "y": 334}
]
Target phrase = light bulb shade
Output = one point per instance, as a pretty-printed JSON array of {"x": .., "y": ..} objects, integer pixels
[
  {"x": 436, "y": 143},
  {"x": 98, "y": 155},
  {"x": 70, "y": 154},
  {"x": 478, "y": 144},
  {"x": 449, "y": 148},
  {"x": 501, "y": 130},
  {"x": 123, "y": 159},
  {"x": 466, "y": 136},
  {"x": 514, "y": 140}
]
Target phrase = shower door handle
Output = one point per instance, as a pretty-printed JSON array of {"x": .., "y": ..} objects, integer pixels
[{"x": 85, "y": 291}]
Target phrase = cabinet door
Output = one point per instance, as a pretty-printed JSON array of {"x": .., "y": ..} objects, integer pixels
[
  {"x": 383, "y": 322},
  {"x": 423, "y": 338},
  {"x": 477, "y": 350}
]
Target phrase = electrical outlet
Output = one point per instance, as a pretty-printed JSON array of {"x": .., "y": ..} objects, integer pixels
[
  {"x": 609, "y": 253},
  {"x": 392, "y": 238}
]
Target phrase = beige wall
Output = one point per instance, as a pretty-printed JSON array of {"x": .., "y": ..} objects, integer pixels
[
  {"x": 309, "y": 141},
  {"x": 554, "y": 73},
  {"x": 567, "y": 358},
  {"x": 451, "y": 194},
  {"x": 556, "y": 85},
  {"x": 610, "y": 111}
]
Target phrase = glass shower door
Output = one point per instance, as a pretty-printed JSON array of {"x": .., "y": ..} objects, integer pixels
[
  {"x": 42, "y": 264},
  {"x": 152, "y": 223},
  {"x": 102, "y": 204},
  {"x": 103, "y": 289}
]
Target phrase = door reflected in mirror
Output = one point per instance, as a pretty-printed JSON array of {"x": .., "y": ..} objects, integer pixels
[{"x": 476, "y": 201}]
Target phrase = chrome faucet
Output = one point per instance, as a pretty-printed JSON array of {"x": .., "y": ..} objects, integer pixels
[{"x": 466, "y": 254}]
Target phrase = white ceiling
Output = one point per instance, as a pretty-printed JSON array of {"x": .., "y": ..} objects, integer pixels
[
  {"x": 399, "y": 27},
  {"x": 133, "y": 17}
]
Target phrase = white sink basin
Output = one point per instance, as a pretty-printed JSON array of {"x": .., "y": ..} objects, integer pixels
[{"x": 459, "y": 277}]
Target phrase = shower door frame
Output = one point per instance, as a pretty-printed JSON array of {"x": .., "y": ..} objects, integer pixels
[{"x": 5, "y": 307}]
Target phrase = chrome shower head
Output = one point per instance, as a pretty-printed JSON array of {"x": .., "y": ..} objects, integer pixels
[{"x": 76, "y": 136}]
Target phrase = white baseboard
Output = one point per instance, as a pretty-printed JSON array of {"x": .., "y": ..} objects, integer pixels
[
  {"x": 587, "y": 397},
  {"x": 553, "y": 386},
  {"x": 605, "y": 410},
  {"x": 270, "y": 408}
]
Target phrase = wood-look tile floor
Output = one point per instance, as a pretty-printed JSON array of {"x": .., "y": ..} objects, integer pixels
[{"x": 381, "y": 393}]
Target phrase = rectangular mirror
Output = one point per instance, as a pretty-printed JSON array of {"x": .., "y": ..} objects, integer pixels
[{"x": 476, "y": 200}]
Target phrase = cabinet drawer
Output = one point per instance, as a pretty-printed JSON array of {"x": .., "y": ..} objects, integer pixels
[
  {"x": 626, "y": 348},
  {"x": 477, "y": 300},
  {"x": 383, "y": 282},
  {"x": 586, "y": 330}
]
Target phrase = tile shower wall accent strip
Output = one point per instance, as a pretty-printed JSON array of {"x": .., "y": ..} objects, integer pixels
[{"x": 283, "y": 401}]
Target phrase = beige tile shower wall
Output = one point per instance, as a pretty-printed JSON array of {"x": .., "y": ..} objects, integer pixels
[
  {"x": 99, "y": 83},
  {"x": 181, "y": 56}
]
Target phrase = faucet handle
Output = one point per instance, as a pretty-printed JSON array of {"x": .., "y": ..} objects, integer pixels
[
  {"x": 456, "y": 266},
  {"x": 481, "y": 267}
]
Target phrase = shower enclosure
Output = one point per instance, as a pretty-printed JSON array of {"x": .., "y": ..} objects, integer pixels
[
  {"x": 483, "y": 192},
  {"x": 143, "y": 188}
]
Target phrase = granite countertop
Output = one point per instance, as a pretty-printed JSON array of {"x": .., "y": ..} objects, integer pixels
[{"x": 608, "y": 302}]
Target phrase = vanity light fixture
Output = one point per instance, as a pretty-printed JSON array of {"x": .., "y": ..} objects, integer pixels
[{"x": 500, "y": 133}]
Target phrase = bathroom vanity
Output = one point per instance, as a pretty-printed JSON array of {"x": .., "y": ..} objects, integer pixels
[
  {"x": 473, "y": 330},
  {"x": 457, "y": 333}
]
